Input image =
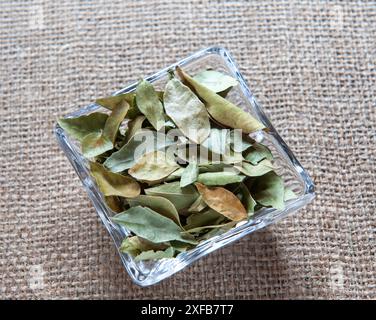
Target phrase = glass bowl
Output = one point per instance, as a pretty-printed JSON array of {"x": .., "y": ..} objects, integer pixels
[{"x": 145, "y": 273}]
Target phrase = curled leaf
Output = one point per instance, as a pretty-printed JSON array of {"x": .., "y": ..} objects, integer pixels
[
  {"x": 215, "y": 81},
  {"x": 133, "y": 126},
  {"x": 156, "y": 255},
  {"x": 248, "y": 202},
  {"x": 221, "y": 109},
  {"x": 222, "y": 201},
  {"x": 135, "y": 246},
  {"x": 181, "y": 197},
  {"x": 153, "y": 166},
  {"x": 189, "y": 174},
  {"x": 112, "y": 101},
  {"x": 79, "y": 127},
  {"x": 151, "y": 226},
  {"x": 258, "y": 152},
  {"x": 186, "y": 110},
  {"x": 113, "y": 184},
  {"x": 158, "y": 204},
  {"x": 113, "y": 122},
  {"x": 257, "y": 170},
  {"x": 94, "y": 144},
  {"x": 219, "y": 178},
  {"x": 149, "y": 104},
  {"x": 268, "y": 190}
]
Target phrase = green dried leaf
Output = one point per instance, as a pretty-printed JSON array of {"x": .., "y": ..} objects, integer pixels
[
  {"x": 186, "y": 110},
  {"x": 159, "y": 204},
  {"x": 248, "y": 202},
  {"x": 189, "y": 174},
  {"x": 195, "y": 153},
  {"x": 217, "y": 141},
  {"x": 149, "y": 104},
  {"x": 94, "y": 144},
  {"x": 204, "y": 218},
  {"x": 78, "y": 128},
  {"x": 113, "y": 122},
  {"x": 151, "y": 226},
  {"x": 222, "y": 110},
  {"x": 222, "y": 201},
  {"x": 135, "y": 245},
  {"x": 112, "y": 101},
  {"x": 257, "y": 170},
  {"x": 258, "y": 152},
  {"x": 125, "y": 158},
  {"x": 219, "y": 178},
  {"x": 113, "y": 184},
  {"x": 155, "y": 255},
  {"x": 181, "y": 197},
  {"x": 215, "y": 81},
  {"x": 268, "y": 190},
  {"x": 238, "y": 141},
  {"x": 153, "y": 166},
  {"x": 289, "y": 194},
  {"x": 133, "y": 126}
]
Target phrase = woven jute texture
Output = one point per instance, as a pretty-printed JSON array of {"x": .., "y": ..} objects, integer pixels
[{"x": 310, "y": 64}]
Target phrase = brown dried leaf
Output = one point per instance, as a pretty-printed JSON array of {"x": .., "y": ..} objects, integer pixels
[{"x": 222, "y": 201}]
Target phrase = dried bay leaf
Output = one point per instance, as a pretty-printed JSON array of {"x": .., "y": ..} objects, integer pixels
[
  {"x": 134, "y": 125},
  {"x": 124, "y": 158},
  {"x": 159, "y": 204},
  {"x": 217, "y": 141},
  {"x": 113, "y": 184},
  {"x": 268, "y": 190},
  {"x": 222, "y": 110},
  {"x": 189, "y": 174},
  {"x": 248, "y": 202},
  {"x": 181, "y": 197},
  {"x": 113, "y": 122},
  {"x": 134, "y": 245},
  {"x": 219, "y": 178},
  {"x": 204, "y": 218},
  {"x": 111, "y": 102},
  {"x": 149, "y": 104},
  {"x": 257, "y": 170},
  {"x": 153, "y": 166},
  {"x": 156, "y": 255},
  {"x": 222, "y": 201},
  {"x": 151, "y": 226},
  {"x": 94, "y": 144},
  {"x": 79, "y": 127},
  {"x": 186, "y": 110},
  {"x": 258, "y": 152},
  {"x": 215, "y": 81}
]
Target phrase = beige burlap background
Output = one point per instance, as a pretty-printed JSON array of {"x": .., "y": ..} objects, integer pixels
[{"x": 311, "y": 64}]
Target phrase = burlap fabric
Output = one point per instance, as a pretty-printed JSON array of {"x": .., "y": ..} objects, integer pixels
[{"x": 312, "y": 66}]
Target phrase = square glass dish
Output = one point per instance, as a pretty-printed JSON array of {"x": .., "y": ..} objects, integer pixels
[{"x": 146, "y": 273}]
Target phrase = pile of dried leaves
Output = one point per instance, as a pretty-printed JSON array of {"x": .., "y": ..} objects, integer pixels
[{"x": 177, "y": 166}]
